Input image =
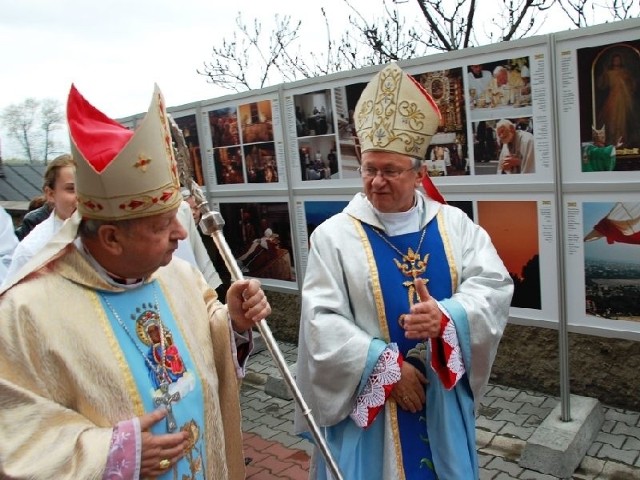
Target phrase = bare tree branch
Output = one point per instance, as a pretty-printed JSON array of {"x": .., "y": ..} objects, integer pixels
[
  {"x": 19, "y": 120},
  {"x": 435, "y": 26},
  {"x": 50, "y": 119}
]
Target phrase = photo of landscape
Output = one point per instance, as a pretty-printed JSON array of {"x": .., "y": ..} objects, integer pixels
[{"x": 612, "y": 260}]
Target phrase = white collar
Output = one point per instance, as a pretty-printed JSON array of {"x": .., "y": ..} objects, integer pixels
[{"x": 399, "y": 223}]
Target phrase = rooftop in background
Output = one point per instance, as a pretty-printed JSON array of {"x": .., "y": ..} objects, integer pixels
[{"x": 19, "y": 183}]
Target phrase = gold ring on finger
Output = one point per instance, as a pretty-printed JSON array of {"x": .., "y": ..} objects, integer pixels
[{"x": 165, "y": 463}]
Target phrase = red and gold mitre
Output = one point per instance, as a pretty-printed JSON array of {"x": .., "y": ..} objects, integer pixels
[
  {"x": 396, "y": 114},
  {"x": 120, "y": 173}
]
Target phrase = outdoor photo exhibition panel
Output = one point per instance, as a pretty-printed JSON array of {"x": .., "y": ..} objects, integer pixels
[
  {"x": 496, "y": 91},
  {"x": 602, "y": 260},
  {"x": 244, "y": 144},
  {"x": 507, "y": 90},
  {"x": 259, "y": 233},
  {"x": 572, "y": 98},
  {"x": 599, "y": 106},
  {"x": 320, "y": 132},
  {"x": 521, "y": 226}
]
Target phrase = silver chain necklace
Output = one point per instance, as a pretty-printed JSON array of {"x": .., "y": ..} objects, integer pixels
[{"x": 164, "y": 398}]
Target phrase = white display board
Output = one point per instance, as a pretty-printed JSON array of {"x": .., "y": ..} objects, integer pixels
[
  {"x": 287, "y": 156},
  {"x": 602, "y": 257}
]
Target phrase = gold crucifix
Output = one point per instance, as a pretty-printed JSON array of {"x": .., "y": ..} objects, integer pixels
[{"x": 413, "y": 267}]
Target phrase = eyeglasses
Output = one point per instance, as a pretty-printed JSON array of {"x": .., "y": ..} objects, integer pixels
[{"x": 387, "y": 173}]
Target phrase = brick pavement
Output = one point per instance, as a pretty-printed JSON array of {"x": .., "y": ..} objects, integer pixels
[{"x": 506, "y": 419}]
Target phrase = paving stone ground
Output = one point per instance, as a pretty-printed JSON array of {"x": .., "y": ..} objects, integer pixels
[{"x": 506, "y": 419}]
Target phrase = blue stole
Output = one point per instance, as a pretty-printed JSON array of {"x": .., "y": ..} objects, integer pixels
[
  {"x": 136, "y": 308},
  {"x": 449, "y": 415},
  {"x": 398, "y": 293}
]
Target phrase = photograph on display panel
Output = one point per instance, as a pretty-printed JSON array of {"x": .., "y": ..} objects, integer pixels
[
  {"x": 243, "y": 144},
  {"x": 612, "y": 260},
  {"x": 259, "y": 235},
  {"x": 609, "y": 99},
  {"x": 499, "y": 86},
  {"x": 318, "y": 158},
  {"x": 346, "y": 98},
  {"x": 256, "y": 122},
  {"x": 499, "y": 97},
  {"x": 260, "y": 161},
  {"x": 504, "y": 146},
  {"x": 315, "y": 131},
  {"x": 448, "y": 153},
  {"x": 223, "y": 124},
  {"x": 517, "y": 244},
  {"x": 190, "y": 132},
  {"x": 227, "y": 162}
]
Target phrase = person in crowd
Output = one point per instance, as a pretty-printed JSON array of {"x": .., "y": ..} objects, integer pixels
[
  {"x": 8, "y": 242},
  {"x": 43, "y": 211},
  {"x": 517, "y": 149},
  {"x": 60, "y": 195},
  {"x": 36, "y": 202},
  {"x": 525, "y": 75},
  {"x": 192, "y": 249},
  {"x": 119, "y": 360},
  {"x": 504, "y": 85},
  {"x": 404, "y": 302},
  {"x": 478, "y": 79},
  {"x": 500, "y": 78}
]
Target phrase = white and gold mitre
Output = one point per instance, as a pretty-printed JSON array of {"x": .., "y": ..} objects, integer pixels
[
  {"x": 122, "y": 174},
  {"x": 396, "y": 114}
]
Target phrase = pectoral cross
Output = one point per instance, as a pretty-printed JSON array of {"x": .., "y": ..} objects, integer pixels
[{"x": 165, "y": 399}]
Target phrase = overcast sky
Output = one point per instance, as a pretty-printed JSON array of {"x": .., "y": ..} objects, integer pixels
[{"x": 115, "y": 50}]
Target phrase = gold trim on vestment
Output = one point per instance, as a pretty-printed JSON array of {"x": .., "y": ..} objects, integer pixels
[
  {"x": 123, "y": 366},
  {"x": 448, "y": 251},
  {"x": 375, "y": 282},
  {"x": 384, "y": 329}
]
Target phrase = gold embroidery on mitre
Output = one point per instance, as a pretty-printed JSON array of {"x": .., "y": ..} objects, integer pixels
[
  {"x": 166, "y": 133},
  {"x": 90, "y": 204},
  {"x": 395, "y": 114},
  {"x": 142, "y": 202},
  {"x": 143, "y": 162}
]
